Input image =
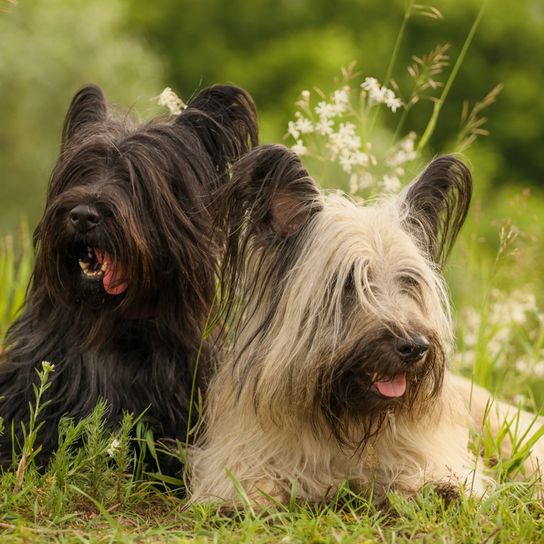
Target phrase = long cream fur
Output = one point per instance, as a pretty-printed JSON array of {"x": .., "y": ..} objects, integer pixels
[{"x": 262, "y": 428}]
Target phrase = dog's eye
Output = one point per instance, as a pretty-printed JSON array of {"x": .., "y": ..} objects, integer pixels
[
  {"x": 409, "y": 282},
  {"x": 350, "y": 282}
]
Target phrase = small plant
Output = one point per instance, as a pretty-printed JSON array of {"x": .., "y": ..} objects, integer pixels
[{"x": 30, "y": 448}]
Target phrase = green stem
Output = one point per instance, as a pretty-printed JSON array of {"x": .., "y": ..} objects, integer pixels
[
  {"x": 431, "y": 125},
  {"x": 395, "y": 54},
  {"x": 393, "y": 60},
  {"x": 205, "y": 334},
  {"x": 400, "y": 126}
]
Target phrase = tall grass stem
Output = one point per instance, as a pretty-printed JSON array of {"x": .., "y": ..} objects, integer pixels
[{"x": 431, "y": 125}]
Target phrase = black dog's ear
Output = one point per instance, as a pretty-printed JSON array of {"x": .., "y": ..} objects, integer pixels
[
  {"x": 437, "y": 205},
  {"x": 270, "y": 194},
  {"x": 225, "y": 120},
  {"x": 88, "y": 106}
]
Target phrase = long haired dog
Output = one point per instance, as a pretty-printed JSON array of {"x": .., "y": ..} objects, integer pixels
[
  {"x": 341, "y": 333},
  {"x": 125, "y": 266}
]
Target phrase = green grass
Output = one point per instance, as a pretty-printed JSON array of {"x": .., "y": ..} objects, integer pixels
[
  {"x": 44, "y": 510},
  {"x": 15, "y": 268}
]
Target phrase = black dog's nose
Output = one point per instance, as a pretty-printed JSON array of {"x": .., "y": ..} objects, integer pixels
[
  {"x": 84, "y": 217},
  {"x": 411, "y": 349}
]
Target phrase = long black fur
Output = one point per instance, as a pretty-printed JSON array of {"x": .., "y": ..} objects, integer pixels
[
  {"x": 270, "y": 200},
  {"x": 438, "y": 203},
  {"x": 150, "y": 185}
]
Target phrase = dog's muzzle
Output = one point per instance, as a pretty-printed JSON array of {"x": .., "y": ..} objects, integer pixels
[
  {"x": 84, "y": 218},
  {"x": 411, "y": 349}
]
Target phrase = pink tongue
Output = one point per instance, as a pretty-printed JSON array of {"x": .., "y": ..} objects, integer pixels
[
  {"x": 112, "y": 278},
  {"x": 392, "y": 388}
]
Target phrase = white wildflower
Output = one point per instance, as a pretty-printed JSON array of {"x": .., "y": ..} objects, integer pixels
[
  {"x": 341, "y": 100},
  {"x": 325, "y": 110},
  {"x": 114, "y": 446},
  {"x": 505, "y": 310},
  {"x": 534, "y": 368},
  {"x": 360, "y": 182},
  {"x": 303, "y": 124},
  {"x": 343, "y": 144},
  {"x": 512, "y": 308},
  {"x": 360, "y": 159},
  {"x": 538, "y": 369},
  {"x": 299, "y": 148},
  {"x": 393, "y": 104},
  {"x": 293, "y": 130},
  {"x": 348, "y": 131},
  {"x": 402, "y": 153},
  {"x": 375, "y": 92},
  {"x": 169, "y": 99},
  {"x": 353, "y": 183},
  {"x": 522, "y": 366},
  {"x": 304, "y": 101},
  {"x": 471, "y": 330},
  {"x": 390, "y": 100},
  {"x": 324, "y": 126},
  {"x": 346, "y": 161},
  {"x": 366, "y": 180},
  {"x": 498, "y": 342},
  {"x": 380, "y": 94},
  {"x": 407, "y": 144},
  {"x": 371, "y": 85},
  {"x": 391, "y": 184}
]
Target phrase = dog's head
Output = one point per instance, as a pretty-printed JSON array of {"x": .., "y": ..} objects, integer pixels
[
  {"x": 126, "y": 227},
  {"x": 345, "y": 315}
]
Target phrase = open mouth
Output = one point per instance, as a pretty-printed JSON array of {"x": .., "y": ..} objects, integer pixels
[
  {"x": 392, "y": 387},
  {"x": 98, "y": 265},
  {"x": 91, "y": 266}
]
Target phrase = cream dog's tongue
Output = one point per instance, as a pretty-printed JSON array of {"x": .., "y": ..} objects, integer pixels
[
  {"x": 112, "y": 276},
  {"x": 395, "y": 387}
]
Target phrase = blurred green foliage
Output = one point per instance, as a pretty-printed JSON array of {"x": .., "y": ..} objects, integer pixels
[
  {"x": 16, "y": 262},
  {"x": 274, "y": 48},
  {"x": 49, "y": 49}
]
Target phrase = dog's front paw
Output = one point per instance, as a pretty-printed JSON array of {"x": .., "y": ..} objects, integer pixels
[{"x": 448, "y": 492}]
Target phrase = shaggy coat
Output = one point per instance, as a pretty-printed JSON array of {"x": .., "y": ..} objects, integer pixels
[
  {"x": 125, "y": 266},
  {"x": 340, "y": 336}
]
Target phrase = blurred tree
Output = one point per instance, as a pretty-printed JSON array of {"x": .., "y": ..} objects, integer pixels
[{"x": 49, "y": 49}]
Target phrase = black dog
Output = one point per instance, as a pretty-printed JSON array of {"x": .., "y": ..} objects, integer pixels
[{"x": 125, "y": 265}]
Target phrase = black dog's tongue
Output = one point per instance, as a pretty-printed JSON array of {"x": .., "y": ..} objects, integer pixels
[
  {"x": 113, "y": 276},
  {"x": 395, "y": 387}
]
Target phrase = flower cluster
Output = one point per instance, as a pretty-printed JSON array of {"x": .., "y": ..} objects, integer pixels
[
  {"x": 343, "y": 143},
  {"x": 380, "y": 94},
  {"x": 335, "y": 131},
  {"x": 169, "y": 99}
]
